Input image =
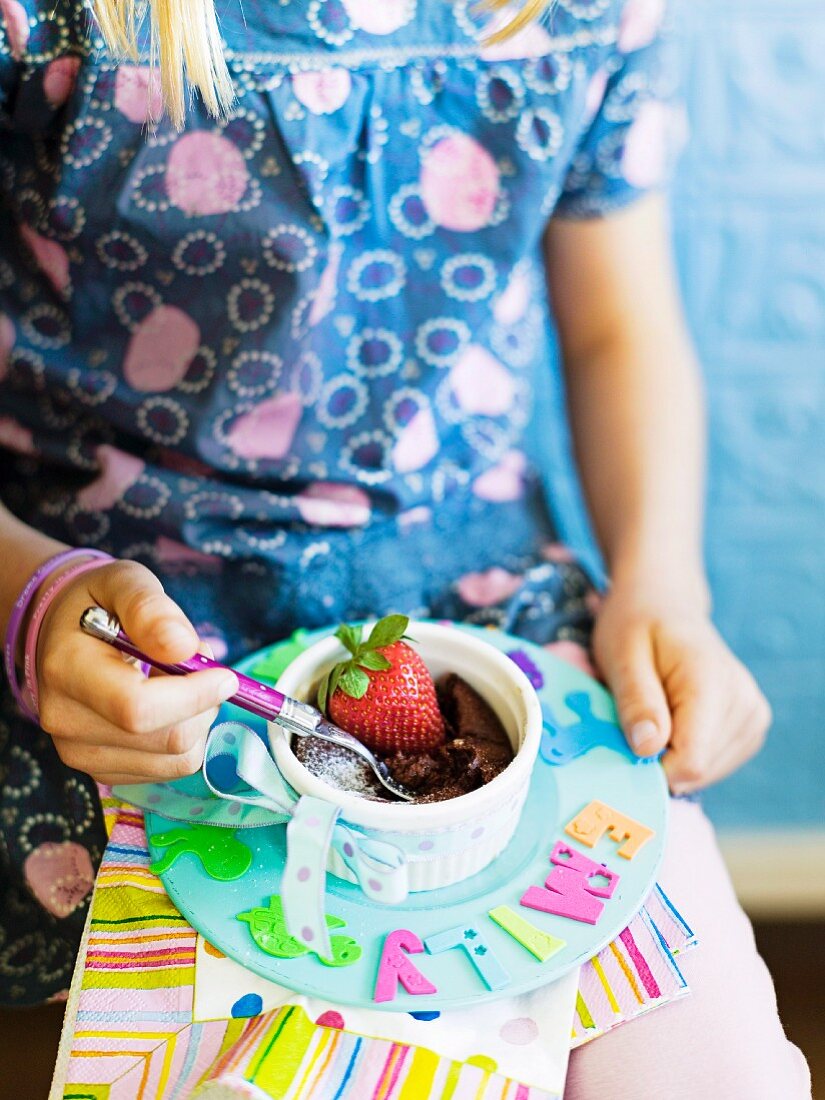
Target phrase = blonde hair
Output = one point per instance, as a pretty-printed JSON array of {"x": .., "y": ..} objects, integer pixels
[{"x": 186, "y": 44}]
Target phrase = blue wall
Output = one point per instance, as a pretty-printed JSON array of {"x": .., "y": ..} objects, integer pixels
[
  {"x": 749, "y": 209},
  {"x": 750, "y": 221}
]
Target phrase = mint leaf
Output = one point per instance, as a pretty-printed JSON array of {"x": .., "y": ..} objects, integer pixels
[
  {"x": 388, "y": 630},
  {"x": 377, "y": 662},
  {"x": 355, "y": 683}
]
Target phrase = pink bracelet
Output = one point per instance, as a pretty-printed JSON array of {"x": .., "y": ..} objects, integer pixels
[
  {"x": 21, "y": 605},
  {"x": 31, "y": 703}
]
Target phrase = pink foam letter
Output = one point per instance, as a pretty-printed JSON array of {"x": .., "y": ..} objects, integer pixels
[
  {"x": 568, "y": 890},
  {"x": 395, "y": 967},
  {"x": 565, "y": 894},
  {"x": 565, "y": 856}
]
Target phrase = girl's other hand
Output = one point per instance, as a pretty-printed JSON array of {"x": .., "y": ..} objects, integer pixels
[
  {"x": 105, "y": 717},
  {"x": 678, "y": 687}
]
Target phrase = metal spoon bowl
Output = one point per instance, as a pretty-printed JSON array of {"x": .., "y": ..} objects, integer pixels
[{"x": 326, "y": 731}]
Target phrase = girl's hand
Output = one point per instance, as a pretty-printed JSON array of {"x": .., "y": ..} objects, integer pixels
[
  {"x": 105, "y": 717},
  {"x": 678, "y": 687}
]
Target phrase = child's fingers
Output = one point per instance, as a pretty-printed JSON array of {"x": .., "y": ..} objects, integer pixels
[
  {"x": 141, "y": 706},
  {"x": 152, "y": 620},
  {"x": 95, "y": 675},
  {"x": 631, "y": 673},
  {"x": 717, "y": 766},
  {"x": 695, "y": 746},
  {"x": 79, "y": 723},
  {"x": 726, "y": 738},
  {"x": 99, "y": 760}
]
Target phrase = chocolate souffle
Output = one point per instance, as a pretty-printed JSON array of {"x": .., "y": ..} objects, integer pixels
[{"x": 475, "y": 751}]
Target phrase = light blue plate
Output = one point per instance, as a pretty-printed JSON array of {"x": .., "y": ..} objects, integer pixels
[{"x": 606, "y": 771}]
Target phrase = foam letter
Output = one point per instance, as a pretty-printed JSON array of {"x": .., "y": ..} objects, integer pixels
[
  {"x": 565, "y": 856},
  {"x": 589, "y": 826},
  {"x": 568, "y": 889},
  {"x": 565, "y": 894},
  {"x": 478, "y": 951},
  {"x": 538, "y": 943},
  {"x": 395, "y": 967}
]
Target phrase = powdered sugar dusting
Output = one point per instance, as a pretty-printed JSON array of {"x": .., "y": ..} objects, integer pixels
[{"x": 338, "y": 767}]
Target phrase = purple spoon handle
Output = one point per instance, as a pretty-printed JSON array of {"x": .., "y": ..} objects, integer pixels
[{"x": 253, "y": 696}]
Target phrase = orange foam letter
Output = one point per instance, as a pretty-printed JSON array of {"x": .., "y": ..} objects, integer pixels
[{"x": 589, "y": 826}]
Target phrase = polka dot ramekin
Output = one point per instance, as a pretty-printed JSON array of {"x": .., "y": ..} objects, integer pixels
[{"x": 444, "y": 842}]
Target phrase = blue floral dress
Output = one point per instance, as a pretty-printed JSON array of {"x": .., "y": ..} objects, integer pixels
[{"x": 296, "y": 360}]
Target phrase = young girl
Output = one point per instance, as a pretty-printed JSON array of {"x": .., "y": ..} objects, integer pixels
[{"x": 283, "y": 350}]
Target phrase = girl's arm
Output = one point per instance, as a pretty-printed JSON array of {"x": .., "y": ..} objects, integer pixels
[{"x": 638, "y": 429}]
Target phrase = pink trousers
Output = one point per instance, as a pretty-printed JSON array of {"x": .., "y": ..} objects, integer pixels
[{"x": 724, "y": 1041}]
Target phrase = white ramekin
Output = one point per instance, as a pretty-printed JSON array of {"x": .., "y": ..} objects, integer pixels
[{"x": 444, "y": 842}]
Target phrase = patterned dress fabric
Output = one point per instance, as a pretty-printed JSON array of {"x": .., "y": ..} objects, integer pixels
[{"x": 295, "y": 360}]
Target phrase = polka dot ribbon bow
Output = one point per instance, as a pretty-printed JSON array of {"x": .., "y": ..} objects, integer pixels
[{"x": 249, "y": 792}]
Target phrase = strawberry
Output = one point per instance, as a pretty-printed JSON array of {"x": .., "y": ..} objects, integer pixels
[{"x": 383, "y": 694}]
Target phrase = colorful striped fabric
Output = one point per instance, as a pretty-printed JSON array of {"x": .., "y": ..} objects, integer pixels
[
  {"x": 288, "y": 1056},
  {"x": 626, "y": 979},
  {"x": 669, "y": 922},
  {"x": 130, "y": 1035}
]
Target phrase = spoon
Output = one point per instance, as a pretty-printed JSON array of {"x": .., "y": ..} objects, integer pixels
[{"x": 300, "y": 719}]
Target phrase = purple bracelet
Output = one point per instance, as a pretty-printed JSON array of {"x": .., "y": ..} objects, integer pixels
[
  {"x": 21, "y": 606},
  {"x": 30, "y": 693}
]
